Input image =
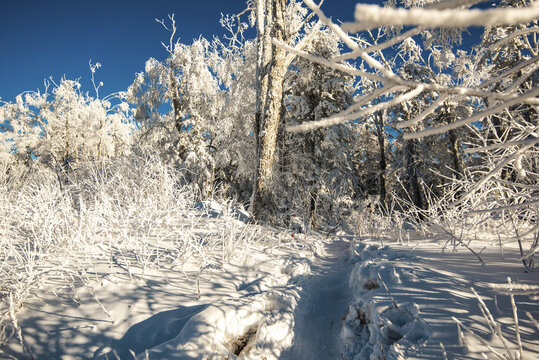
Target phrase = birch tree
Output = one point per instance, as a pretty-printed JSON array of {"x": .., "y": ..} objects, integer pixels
[{"x": 287, "y": 22}]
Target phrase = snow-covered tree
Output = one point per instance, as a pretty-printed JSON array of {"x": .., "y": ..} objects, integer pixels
[
  {"x": 66, "y": 125},
  {"x": 186, "y": 83},
  {"x": 233, "y": 139},
  {"x": 316, "y": 169}
]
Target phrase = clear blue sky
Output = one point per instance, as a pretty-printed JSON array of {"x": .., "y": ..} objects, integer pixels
[{"x": 42, "y": 38}]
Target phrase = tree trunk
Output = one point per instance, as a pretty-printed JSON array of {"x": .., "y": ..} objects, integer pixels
[
  {"x": 455, "y": 155},
  {"x": 176, "y": 105},
  {"x": 413, "y": 178},
  {"x": 271, "y": 69},
  {"x": 313, "y": 186},
  {"x": 382, "y": 164}
]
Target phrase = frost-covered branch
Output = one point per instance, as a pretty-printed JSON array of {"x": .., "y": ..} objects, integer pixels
[
  {"x": 330, "y": 64},
  {"x": 503, "y": 145},
  {"x": 471, "y": 119},
  {"x": 372, "y": 16},
  {"x": 372, "y": 62},
  {"x": 235, "y": 26},
  {"x": 511, "y": 71},
  {"x": 389, "y": 79},
  {"x": 426, "y": 112},
  {"x": 341, "y": 118},
  {"x": 171, "y": 29},
  {"x": 513, "y": 35},
  {"x": 93, "y": 68},
  {"x": 505, "y": 208},
  {"x": 491, "y": 174},
  {"x": 392, "y": 41},
  {"x": 304, "y": 42}
]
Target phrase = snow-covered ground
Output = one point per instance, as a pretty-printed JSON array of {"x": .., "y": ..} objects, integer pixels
[
  {"x": 282, "y": 296},
  {"x": 406, "y": 296}
]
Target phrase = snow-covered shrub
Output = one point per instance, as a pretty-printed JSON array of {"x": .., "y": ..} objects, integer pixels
[
  {"x": 65, "y": 125},
  {"x": 129, "y": 216}
]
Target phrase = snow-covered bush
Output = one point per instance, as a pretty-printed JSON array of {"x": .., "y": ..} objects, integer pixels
[
  {"x": 128, "y": 215},
  {"x": 64, "y": 125}
]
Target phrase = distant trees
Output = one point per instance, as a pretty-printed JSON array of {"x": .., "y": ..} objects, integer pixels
[
  {"x": 65, "y": 125},
  {"x": 459, "y": 107}
]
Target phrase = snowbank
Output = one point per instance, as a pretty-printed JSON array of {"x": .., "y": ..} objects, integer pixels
[
  {"x": 378, "y": 326},
  {"x": 255, "y": 322},
  {"x": 408, "y": 299}
]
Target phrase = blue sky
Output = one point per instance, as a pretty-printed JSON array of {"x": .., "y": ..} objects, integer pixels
[{"x": 42, "y": 38}]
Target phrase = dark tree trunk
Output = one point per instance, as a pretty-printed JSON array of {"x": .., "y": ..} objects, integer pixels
[
  {"x": 382, "y": 164},
  {"x": 413, "y": 178}
]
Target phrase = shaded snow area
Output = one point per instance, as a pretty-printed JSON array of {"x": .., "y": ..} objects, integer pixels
[
  {"x": 279, "y": 295},
  {"x": 407, "y": 300}
]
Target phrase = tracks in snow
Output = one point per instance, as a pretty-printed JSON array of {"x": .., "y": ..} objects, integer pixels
[{"x": 323, "y": 303}]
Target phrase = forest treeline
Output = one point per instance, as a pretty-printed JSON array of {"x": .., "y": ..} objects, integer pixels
[{"x": 308, "y": 124}]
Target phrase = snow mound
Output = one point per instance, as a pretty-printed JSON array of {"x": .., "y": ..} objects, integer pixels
[
  {"x": 257, "y": 323},
  {"x": 247, "y": 328},
  {"x": 375, "y": 266},
  {"x": 371, "y": 331},
  {"x": 376, "y": 326}
]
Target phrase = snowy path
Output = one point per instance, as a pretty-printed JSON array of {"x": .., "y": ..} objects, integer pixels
[{"x": 323, "y": 303}]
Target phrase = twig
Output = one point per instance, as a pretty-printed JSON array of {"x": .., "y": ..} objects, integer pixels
[
  {"x": 444, "y": 353},
  {"x": 24, "y": 344},
  {"x": 515, "y": 317},
  {"x": 463, "y": 244},
  {"x": 486, "y": 313},
  {"x": 481, "y": 340},
  {"x": 493, "y": 325},
  {"x": 533, "y": 320},
  {"x": 389, "y": 293}
]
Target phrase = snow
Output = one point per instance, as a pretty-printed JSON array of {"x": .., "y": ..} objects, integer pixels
[
  {"x": 378, "y": 325},
  {"x": 214, "y": 210},
  {"x": 429, "y": 288},
  {"x": 323, "y": 302},
  {"x": 295, "y": 296}
]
